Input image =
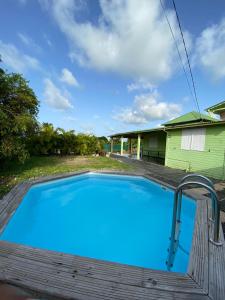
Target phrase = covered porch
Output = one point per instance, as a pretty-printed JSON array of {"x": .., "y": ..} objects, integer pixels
[{"x": 148, "y": 145}]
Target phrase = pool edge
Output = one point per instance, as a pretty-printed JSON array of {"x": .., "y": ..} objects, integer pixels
[{"x": 197, "y": 280}]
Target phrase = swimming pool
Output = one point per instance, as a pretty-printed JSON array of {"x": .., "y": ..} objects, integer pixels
[{"x": 117, "y": 218}]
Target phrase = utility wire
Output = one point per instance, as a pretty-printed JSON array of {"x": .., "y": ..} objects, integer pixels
[
  {"x": 188, "y": 60},
  {"x": 178, "y": 51}
]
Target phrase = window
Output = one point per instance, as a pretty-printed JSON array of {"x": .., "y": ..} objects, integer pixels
[
  {"x": 193, "y": 139},
  {"x": 153, "y": 142},
  {"x": 186, "y": 139}
]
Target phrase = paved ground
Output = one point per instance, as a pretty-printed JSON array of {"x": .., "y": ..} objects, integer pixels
[
  {"x": 168, "y": 175},
  {"x": 172, "y": 177}
]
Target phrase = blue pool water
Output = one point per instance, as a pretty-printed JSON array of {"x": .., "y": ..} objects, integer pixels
[{"x": 116, "y": 218}]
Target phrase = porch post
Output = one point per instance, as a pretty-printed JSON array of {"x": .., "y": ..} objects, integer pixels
[
  {"x": 121, "y": 146},
  {"x": 111, "y": 145},
  {"x": 130, "y": 147},
  {"x": 138, "y": 146}
]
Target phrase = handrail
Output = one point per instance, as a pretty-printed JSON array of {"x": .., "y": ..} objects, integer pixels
[
  {"x": 204, "y": 178},
  {"x": 194, "y": 175},
  {"x": 214, "y": 199},
  {"x": 174, "y": 239}
]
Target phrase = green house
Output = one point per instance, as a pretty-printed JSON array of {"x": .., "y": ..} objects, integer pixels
[{"x": 193, "y": 142}]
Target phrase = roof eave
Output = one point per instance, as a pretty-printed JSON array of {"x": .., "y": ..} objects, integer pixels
[
  {"x": 135, "y": 133},
  {"x": 190, "y": 122},
  {"x": 213, "y": 123},
  {"x": 215, "y": 107}
]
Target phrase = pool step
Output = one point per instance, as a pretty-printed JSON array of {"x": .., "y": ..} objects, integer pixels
[{"x": 187, "y": 182}]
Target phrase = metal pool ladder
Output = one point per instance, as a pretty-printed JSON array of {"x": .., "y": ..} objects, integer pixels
[{"x": 187, "y": 182}]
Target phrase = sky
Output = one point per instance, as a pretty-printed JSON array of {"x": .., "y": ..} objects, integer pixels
[{"x": 102, "y": 67}]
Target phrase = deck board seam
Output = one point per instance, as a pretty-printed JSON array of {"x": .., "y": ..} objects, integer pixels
[
  {"x": 192, "y": 289},
  {"x": 10, "y": 203},
  {"x": 199, "y": 285},
  {"x": 15, "y": 279}
]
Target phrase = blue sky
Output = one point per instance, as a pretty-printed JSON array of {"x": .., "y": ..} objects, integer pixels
[{"x": 111, "y": 66}]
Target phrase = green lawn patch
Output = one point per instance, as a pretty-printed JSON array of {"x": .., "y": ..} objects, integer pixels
[{"x": 13, "y": 172}]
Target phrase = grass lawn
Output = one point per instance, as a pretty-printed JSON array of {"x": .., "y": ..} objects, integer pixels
[{"x": 14, "y": 172}]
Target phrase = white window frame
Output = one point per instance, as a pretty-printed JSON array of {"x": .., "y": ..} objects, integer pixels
[
  {"x": 186, "y": 137},
  {"x": 193, "y": 139}
]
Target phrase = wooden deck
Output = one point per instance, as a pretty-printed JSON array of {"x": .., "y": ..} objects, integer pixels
[{"x": 74, "y": 277}]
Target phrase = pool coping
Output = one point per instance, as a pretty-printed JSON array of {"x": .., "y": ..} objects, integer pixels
[{"x": 75, "y": 277}]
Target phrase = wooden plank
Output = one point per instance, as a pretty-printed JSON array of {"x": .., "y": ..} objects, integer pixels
[
  {"x": 198, "y": 265},
  {"x": 216, "y": 267},
  {"x": 75, "y": 277},
  {"x": 75, "y": 286},
  {"x": 100, "y": 269},
  {"x": 11, "y": 202},
  {"x": 58, "y": 176}
]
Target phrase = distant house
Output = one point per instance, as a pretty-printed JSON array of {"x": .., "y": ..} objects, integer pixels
[
  {"x": 217, "y": 109},
  {"x": 193, "y": 142}
]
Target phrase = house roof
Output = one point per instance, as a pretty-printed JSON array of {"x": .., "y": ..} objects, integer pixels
[
  {"x": 194, "y": 125},
  {"x": 217, "y": 108},
  {"x": 191, "y": 117},
  {"x": 133, "y": 134}
]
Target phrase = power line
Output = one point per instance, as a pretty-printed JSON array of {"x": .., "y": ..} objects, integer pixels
[
  {"x": 188, "y": 60},
  {"x": 178, "y": 51}
]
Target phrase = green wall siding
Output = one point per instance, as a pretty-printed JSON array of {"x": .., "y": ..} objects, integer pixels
[
  {"x": 210, "y": 162},
  {"x": 161, "y": 144}
]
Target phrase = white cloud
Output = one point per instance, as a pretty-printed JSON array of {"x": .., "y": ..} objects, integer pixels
[
  {"x": 131, "y": 37},
  {"x": 29, "y": 42},
  {"x": 140, "y": 84},
  {"x": 68, "y": 78},
  {"x": 211, "y": 50},
  {"x": 16, "y": 60},
  {"x": 147, "y": 108},
  {"x": 54, "y": 97}
]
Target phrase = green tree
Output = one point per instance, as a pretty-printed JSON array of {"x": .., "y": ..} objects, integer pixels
[
  {"x": 86, "y": 144},
  {"x": 45, "y": 141},
  {"x": 18, "y": 111},
  {"x": 104, "y": 144},
  {"x": 48, "y": 140},
  {"x": 66, "y": 141}
]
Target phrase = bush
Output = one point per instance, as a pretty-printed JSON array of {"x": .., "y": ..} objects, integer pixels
[
  {"x": 48, "y": 141},
  {"x": 20, "y": 133}
]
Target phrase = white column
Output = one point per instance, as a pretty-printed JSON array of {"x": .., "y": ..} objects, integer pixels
[
  {"x": 121, "y": 146},
  {"x": 138, "y": 146}
]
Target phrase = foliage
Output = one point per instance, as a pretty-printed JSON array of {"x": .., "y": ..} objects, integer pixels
[
  {"x": 43, "y": 141},
  {"x": 87, "y": 145},
  {"x": 22, "y": 136},
  {"x": 103, "y": 139},
  {"x": 18, "y": 111},
  {"x": 14, "y": 172},
  {"x": 48, "y": 141}
]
